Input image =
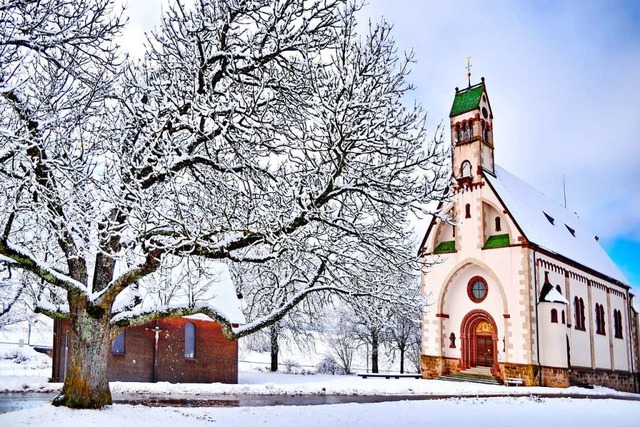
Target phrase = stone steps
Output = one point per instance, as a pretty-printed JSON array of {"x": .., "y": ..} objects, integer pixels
[{"x": 479, "y": 375}]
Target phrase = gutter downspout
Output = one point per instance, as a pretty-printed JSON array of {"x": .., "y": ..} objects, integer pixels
[{"x": 537, "y": 301}]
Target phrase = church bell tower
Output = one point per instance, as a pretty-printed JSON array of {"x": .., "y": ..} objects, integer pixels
[{"x": 471, "y": 133}]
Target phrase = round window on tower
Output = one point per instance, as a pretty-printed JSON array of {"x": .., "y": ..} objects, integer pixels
[
  {"x": 485, "y": 113},
  {"x": 477, "y": 289}
]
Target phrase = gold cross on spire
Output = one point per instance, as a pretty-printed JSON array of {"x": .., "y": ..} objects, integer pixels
[{"x": 469, "y": 69}]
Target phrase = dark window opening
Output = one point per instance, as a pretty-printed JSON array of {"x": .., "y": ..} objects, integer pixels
[
  {"x": 564, "y": 319},
  {"x": 467, "y": 211},
  {"x": 554, "y": 315},
  {"x": 578, "y": 309},
  {"x": 452, "y": 340},
  {"x": 571, "y": 230},
  {"x": 600, "y": 323},
  {"x": 189, "y": 340},
  {"x": 549, "y": 218},
  {"x": 117, "y": 346},
  {"x": 559, "y": 289},
  {"x": 617, "y": 323},
  {"x": 498, "y": 225}
]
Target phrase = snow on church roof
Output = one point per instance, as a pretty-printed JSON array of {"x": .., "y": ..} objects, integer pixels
[{"x": 550, "y": 225}]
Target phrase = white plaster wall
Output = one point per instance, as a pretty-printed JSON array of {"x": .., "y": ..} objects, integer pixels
[
  {"x": 579, "y": 340},
  {"x": 552, "y": 336},
  {"x": 621, "y": 352},
  {"x": 601, "y": 342},
  {"x": 505, "y": 295}
]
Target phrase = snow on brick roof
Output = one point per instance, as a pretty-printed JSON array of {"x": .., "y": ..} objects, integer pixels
[
  {"x": 207, "y": 282},
  {"x": 550, "y": 225}
]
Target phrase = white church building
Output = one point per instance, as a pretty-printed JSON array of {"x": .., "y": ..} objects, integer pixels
[{"x": 520, "y": 288}]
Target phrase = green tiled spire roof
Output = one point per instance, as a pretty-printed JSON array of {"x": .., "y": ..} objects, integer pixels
[{"x": 467, "y": 100}]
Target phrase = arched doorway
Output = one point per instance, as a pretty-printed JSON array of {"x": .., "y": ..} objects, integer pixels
[{"x": 479, "y": 336}]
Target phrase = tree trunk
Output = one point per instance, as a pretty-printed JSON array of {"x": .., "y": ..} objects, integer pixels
[
  {"x": 86, "y": 385},
  {"x": 402, "y": 350},
  {"x": 374, "y": 351},
  {"x": 275, "y": 348}
]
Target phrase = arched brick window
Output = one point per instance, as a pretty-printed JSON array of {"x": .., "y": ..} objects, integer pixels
[
  {"x": 452, "y": 340},
  {"x": 554, "y": 315},
  {"x": 189, "y": 340}
]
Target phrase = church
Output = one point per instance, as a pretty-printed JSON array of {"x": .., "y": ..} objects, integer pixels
[{"x": 518, "y": 288}]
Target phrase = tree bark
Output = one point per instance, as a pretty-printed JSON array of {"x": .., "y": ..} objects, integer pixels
[
  {"x": 402, "y": 350},
  {"x": 86, "y": 384},
  {"x": 374, "y": 351},
  {"x": 275, "y": 348}
]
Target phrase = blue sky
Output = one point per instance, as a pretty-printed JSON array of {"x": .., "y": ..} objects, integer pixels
[{"x": 564, "y": 82}]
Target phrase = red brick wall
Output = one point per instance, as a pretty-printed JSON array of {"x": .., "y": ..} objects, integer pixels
[{"x": 216, "y": 358}]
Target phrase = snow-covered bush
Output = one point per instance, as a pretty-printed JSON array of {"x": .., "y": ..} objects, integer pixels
[
  {"x": 329, "y": 365},
  {"x": 25, "y": 356}
]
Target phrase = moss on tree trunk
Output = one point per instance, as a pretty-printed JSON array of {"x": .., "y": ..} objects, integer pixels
[{"x": 86, "y": 384}]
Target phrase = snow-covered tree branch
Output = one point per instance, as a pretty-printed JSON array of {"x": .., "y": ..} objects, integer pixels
[{"x": 267, "y": 133}]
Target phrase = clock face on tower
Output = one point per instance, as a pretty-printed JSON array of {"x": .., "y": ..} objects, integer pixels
[{"x": 485, "y": 113}]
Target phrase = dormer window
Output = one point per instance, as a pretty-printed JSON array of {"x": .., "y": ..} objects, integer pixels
[
  {"x": 571, "y": 230},
  {"x": 466, "y": 169},
  {"x": 549, "y": 218}
]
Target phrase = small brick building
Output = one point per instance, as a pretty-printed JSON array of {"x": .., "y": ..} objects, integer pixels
[
  {"x": 212, "y": 357},
  {"x": 190, "y": 349}
]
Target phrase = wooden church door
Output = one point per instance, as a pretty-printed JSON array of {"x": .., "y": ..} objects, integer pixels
[{"x": 484, "y": 350}]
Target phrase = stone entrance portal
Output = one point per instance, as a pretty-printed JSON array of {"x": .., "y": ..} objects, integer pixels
[{"x": 479, "y": 341}]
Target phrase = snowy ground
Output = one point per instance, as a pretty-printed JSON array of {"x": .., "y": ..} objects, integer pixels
[
  {"x": 24, "y": 370},
  {"x": 507, "y": 411}
]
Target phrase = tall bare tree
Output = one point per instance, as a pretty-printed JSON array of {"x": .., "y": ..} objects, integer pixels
[{"x": 264, "y": 132}]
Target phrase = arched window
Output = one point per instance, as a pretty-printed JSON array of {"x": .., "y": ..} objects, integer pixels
[
  {"x": 498, "y": 225},
  {"x": 554, "y": 315},
  {"x": 190, "y": 340},
  {"x": 458, "y": 133},
  {"x": 564, "y": 319},
  {"x": 467, "y": 210},
  {"x": 578, "y": 312},
  {"x": 452, "y": 340},
  {"x": 485, "y": 134},
  {"x": 617, "y": 323},
  {"x": 466, "y": 169},
  {"x": 117, "y": 346},
  {"x": 600, "y": 324}
]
